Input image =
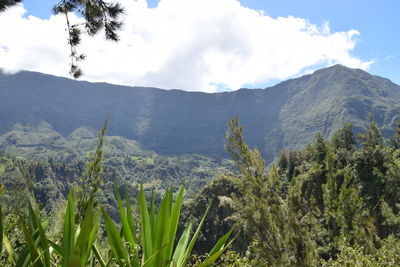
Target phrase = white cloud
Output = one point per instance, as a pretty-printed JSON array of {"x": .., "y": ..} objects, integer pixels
[{"x": 187, "y": 44}]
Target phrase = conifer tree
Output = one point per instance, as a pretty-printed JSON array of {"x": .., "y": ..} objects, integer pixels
[
  {"x": 319, "y": 148},
  {"x": 98, "y": 15},
  {"x": 370, "y": 164},
  {"x": 344, "y": 138},
  {"x": 396, "y": 137},
  {"x": 372, "y": 137},
  {"x": 283, "y": 231},
  {"x": 4, "y": 4}
]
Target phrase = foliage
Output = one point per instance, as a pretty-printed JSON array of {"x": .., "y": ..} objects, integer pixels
[
  {"x": 328, "y": 203},
  {"x": 90, "y": 180},
  {"x": 97, "y": 14},
  {"x": 51, "y": 172},
  {"x": 156, "y": 246},
  {"x": 158, "y": 233},
  {"x": 278, "y": 226},
  {"x": 4, "y": 4},
  {"x": 355, "y": 256}
]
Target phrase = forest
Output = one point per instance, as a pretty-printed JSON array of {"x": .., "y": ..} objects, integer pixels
[{"x": 334, "y": 203}]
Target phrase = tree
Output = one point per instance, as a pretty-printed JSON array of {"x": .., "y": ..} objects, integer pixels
[
  {"x": 98, "y": 15},
  {"x": 283, "y": 230},
  {"x": 370, "y": 163},
  {"x": 4, "y": 4},
  {"x": 323, "y": 203},
  {"x": 372, "y": 137},
  {"x": 396, "y": 137},
  {"x": 319, "y": 148},
  {"x": 344, "y": 138}
]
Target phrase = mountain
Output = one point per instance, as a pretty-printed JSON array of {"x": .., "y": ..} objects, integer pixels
[{"x": 175, "y": 122}]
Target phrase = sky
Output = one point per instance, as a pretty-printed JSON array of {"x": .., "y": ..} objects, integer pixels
[{"x": 210, "y": 45}]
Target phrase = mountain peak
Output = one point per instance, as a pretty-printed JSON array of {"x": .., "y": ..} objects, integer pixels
[{"x": 338, "y": 68}]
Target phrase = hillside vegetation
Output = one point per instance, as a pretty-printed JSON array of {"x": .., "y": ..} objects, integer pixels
[
  {"x": 173, "y": 122},
  {"x": 330, "y": 204}
]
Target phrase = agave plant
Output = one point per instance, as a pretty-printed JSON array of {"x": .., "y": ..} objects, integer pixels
[
  {"x": 158, "y": 234},
  {"x": 155, "y": 248},
  {"x": 76, "y": 247}
]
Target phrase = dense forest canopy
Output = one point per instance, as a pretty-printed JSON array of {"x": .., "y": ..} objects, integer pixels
[{"x": 331, "y": 204}]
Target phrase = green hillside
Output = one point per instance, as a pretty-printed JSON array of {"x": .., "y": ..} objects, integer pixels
[{"x": 174, "y": 122}]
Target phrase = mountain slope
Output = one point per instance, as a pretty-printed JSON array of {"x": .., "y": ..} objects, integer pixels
[{"x": 177, "y": 122}]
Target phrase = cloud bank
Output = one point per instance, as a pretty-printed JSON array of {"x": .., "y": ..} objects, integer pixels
[{"x": 193, "y": 45}]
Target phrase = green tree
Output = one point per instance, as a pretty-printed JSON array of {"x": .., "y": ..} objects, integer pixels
[
  {"x": 4, "y": 4},
  {"x": 344, "y": 138},
  {"x": 324, "y": 202},
  {"x": 396, "y": 137},
  {"x": 319, "y": 148},
  {"x": 98, "y": 15},
  {"x": 370, "y": 165},
  {"x": 372, "y": 137},
  {"x": 281, "y": 228}
]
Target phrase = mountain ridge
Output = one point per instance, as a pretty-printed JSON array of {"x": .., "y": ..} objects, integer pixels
[{"x": 284, "y": 116}]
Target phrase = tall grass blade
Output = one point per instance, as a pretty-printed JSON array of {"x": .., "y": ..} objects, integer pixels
[
  {"x": 43, "y": 239},
  {"x": 10, "y": 251},
  {"x": 98, "y": 256},
  {"x": 146, "y": 227},
  {"x": 194, "y": 239},
  {"x": 31, "y": 244},
  {"x": 129, "y": 214},
  {"x": 159, "y": 225},
  {"x": 174, "y": 221},
  {"x": 115, "y": 241},
  {"x": 126, "y": 229},
  {"x": 1, "y": 229},
  {"x": 165, "y": 228},
  {"x": 213, "y": 257},
  {"x": 132, "y": 226},
  {"x": 180, "y": 249},
  {"x": 219, "y": 248},
  {"x": 221, "y": 242},
  {"x": 58, "y": 249},
  {"x": 87, "y": 235},
  {"x": 150, "y": 261},
  {"x": 69, "y": 231},
  {"x": 152, "y": 216}
]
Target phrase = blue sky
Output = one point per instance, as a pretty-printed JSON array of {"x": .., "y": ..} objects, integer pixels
[{"x": 376, "y": 21}]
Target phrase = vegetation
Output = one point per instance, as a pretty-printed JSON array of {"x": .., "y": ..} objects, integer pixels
[
  {"x": 77, "y": 244},
  {"x": 97, "y": 14},
  {"x": 330, "y": 204},
  {"x": 178, "y": 123},
  {"x": 58, "y": 166},
  {"x": 334, "y": 203},
  {"x": 4, "y": 4}
]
